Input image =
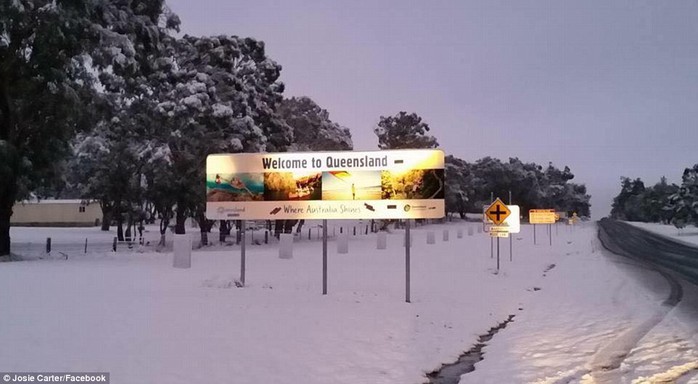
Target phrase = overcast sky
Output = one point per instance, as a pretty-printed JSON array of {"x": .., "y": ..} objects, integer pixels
[{"x": 608, "y": 88}]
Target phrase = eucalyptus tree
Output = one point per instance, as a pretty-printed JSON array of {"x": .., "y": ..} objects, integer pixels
[{"x": 51, "y": 53}]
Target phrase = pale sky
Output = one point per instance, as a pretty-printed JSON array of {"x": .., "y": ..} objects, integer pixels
[{"x": 608, "y": 88}]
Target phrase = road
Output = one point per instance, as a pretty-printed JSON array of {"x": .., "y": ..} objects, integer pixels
[
  {"x": 627, "y": 240},
  {"x": 677, "y": 263}
]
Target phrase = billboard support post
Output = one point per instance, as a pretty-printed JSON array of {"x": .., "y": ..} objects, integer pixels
[
  {"x": 407, "y": 260},
  {"x": 324, "y": 256},
  {"x": 243, "y": 224}
]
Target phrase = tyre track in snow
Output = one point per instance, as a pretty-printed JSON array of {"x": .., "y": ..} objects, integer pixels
[{"x": 659, "y": 254}]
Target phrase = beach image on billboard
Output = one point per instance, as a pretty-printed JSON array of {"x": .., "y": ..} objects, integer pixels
[
  {"x": 287, "y": 186},
  {"x": 351, "y": 185},
  {"x": 234, "y": 187},
  {"x": 412, "y": 184}
]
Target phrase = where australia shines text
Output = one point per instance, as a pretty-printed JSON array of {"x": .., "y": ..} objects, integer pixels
[{"x": 330, "y": 162}]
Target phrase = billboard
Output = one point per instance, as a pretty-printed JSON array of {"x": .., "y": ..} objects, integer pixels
[{"x": 390, "y": 184}]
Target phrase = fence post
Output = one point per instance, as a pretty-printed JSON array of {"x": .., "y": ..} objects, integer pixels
[{"x": 48, "y": 245}]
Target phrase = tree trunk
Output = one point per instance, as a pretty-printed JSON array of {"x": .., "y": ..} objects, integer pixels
[
  {"x": 205, "y": 227},
  {"x": 6, "y": 204},
  {"x": 107, "y": 212},
  {"x": 224, "y": 230},
  {"x": 278, "y": 228},
  {"x": 164, "y": 223},
  {"x": 202, "y": 228},
  {"x": 204, "y": 238},
  {"x": 288, "y": 225},
  {"x": 8, "y": 189},
  {"x": 299, "y": 228},
  {"x": 180, "y": 220},
  {"x": 129, "y": 223},
  {"x": 120, "y": 228},
  {"x": 106, "y": 221}
]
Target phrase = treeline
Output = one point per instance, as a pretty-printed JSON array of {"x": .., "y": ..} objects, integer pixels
[
  {"x": 105, "y": 101},
  {"x": 469, "y": 186},
  {"x": 660, "y": 203}
]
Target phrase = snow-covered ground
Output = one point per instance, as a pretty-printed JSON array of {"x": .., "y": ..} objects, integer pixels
[
  {"x": 688, "y": 234},
  {"x": 133, "y": 315}
]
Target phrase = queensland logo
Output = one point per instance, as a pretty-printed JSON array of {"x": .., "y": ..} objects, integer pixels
[{"x": 230, "y": 211}]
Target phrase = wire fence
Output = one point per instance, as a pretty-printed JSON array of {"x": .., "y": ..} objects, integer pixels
[{"x": 257, "y": 233}]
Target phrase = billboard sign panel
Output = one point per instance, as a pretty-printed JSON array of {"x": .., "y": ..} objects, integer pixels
[{"x": 390, "y": 184}]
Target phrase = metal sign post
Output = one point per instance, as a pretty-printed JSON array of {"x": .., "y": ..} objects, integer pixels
[
  {"x": 491, "y": 239},
  {"x": 534, "y": 234},
  {"x": 324, "y": 256},
  {"x": 550, "y": 234},
  {"x": 407, "y": 260},
  {"x": 511, "y": 257},
  {"x": 497, "y": 254},
  {"x": 242, "y": 252}
]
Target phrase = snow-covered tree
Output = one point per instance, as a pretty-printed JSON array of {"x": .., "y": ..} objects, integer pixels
[
  {"x": 460, "y": 190},
  {"x": 50, "y": 51},
  {"x": 683, "y": 204},
  {"x": 626, "y": 205},
  {"x": 215, "y": 95},
  {"x": 404, "y": 131},
  {"x": 312, "y": 128}
]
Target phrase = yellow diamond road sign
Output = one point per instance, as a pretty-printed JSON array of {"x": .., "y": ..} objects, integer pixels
[{"x": 497, "y": 212}]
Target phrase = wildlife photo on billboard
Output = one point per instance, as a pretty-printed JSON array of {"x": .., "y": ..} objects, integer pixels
[
  {"x": 351, "y": 185},
  {"x": 234, "y": 187},
  {"x": 412, "y": 184},
  {"x": 286, "y": 186}
]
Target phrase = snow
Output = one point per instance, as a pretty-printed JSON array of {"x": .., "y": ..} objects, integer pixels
[
  {"x": 133, "y": 315},
  {"x": 222, "y": 110},
  {"x": 192, "y": 101},
  {"x": 689, "y": 234}
]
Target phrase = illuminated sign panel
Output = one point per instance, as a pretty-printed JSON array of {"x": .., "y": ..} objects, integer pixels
[{"x": 392, "y": 184}]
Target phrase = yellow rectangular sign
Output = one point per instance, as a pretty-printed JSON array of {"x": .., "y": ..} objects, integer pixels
[
  {"x": 391, "y": 184},
  {"x": 542, "y": 216}
]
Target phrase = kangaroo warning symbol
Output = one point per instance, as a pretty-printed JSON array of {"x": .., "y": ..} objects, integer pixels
[{"x": 497, "y": 212}]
